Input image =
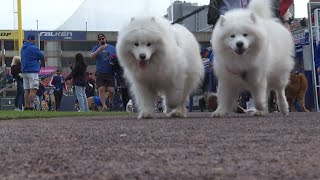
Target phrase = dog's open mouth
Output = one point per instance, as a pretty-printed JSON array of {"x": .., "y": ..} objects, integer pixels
[
  {"x": 240, "y": 51},
  {"x": 143, "y": 64}
]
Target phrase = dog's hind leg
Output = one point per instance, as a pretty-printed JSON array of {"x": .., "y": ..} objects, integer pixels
[
  {"x": 175, "y": 100},
  {"x": 291, "y": 105},
  {"x": 302, "y": 93},
  {"x": 282, "y": 101},
  {"x": 301, "y": 102}
]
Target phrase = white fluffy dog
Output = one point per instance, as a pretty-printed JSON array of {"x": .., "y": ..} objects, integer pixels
[
  {"x": 159, "y": 58},
  {"x": 253, "y": 51}
]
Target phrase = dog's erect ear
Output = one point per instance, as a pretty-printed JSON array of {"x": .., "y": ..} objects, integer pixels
[
  {"x": 153, "y": 19},
  {"x": 222, "y": 20},
  {"x": 253, "y": 18},
  {"x": 132, "y": 19}
]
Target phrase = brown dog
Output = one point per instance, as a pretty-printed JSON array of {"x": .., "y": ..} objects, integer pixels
[
  {"x": 296, "y": 90},
  {"x": 44, "y": 105}
]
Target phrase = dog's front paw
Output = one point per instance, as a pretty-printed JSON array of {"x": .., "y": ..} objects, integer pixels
[
  {"x": 259, "y": 113},
  {"x": 145, "y": 115},
  {"x": 285, "y": 112},
  {"x": 176, "y": 114},
  {"x": 218, "y": 114}
]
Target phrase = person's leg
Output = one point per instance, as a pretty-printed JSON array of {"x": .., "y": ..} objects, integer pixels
[
  {"x": 110, "y": 89},
  {"x": 32, "y": 96},
  {"x": 214, "y": 82},
  {"x": 40, "y": 100},
  {"x": 125, "y": 97},
  {"x": 26, "y": 88},
  {"x": 111, "y": 92},
  {"x": 100, "y": 81},
  {"x": 85, "y": 100},
  {"x": 26, "y": 99},
  {"x": 102, "y": 95},
  {"x": 37, "y": 103},
  {"x": 21, "y": 95},
  {"x": 272, "y": 102},
  {"x": 56, "y": 99},
  {"x": 60, "y": 93},
  {"x": 34, "y": 85},
  {"x": 16, "y": 99},
  {"x": 78, "y": 90}
]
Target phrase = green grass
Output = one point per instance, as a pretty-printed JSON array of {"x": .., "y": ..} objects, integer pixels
[{"x": 4, "y": 115}]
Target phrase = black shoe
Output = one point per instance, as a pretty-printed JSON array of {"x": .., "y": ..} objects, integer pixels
[{"x": 273, "y": 107}]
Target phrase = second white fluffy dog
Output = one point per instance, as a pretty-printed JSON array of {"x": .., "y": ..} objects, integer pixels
[
  {"x": 254, "y": 52},
  {"x": 159, "y": 58}
]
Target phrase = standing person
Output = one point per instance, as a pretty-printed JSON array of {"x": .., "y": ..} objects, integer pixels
[
  {"x": 30, "y": 56},
  {"x": 78, "y": 75},
  {"x": 17, "y": 75},
  {"x": 218, "y": 7},
  {"x": 91, "y": 85},
  {"x": 39, "y": 96},
  {"x": 57, "y": 82},
  {"x": 103, "y": 53}
]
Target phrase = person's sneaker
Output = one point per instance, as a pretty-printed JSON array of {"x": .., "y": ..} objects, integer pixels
[
  {"x": 212, "y": 102},
  {"x": 240, "y": 109},
  {"x": 273, "y": 107},
  {"x": 17, "y": 109}
]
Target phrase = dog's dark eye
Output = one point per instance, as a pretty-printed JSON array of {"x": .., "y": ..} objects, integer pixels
[
  {"x": 148, "y": 44},
  {"x": 233, "y": 36},
  {"x": 136, "y": 44},
  {"x": 245, "y": 35}
]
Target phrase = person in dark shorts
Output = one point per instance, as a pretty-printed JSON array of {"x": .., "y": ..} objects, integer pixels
[
  {"x": 57, "y": 82},
  {"x": 103, "y": 53}
]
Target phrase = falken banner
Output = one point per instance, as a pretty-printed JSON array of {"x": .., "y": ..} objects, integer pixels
[{"x": 58, "y": 35}]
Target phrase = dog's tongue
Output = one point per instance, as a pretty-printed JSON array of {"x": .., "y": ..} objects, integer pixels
[{"x": 143, "y": 64}]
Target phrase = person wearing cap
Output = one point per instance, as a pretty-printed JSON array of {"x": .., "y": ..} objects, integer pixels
[
  {"x": 103, "y": 53},
  {"x": 57, "y": 82},
  {"x": 30, "y": 59}
]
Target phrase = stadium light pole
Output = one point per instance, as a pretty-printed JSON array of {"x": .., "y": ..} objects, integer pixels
[
  {"x": 171, "y": 9},
  {"x": 20, "y": 36},
  {"x": 38, "y": 34}
]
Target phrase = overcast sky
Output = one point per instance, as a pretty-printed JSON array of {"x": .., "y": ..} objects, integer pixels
[{"x": 52, "y": 14}]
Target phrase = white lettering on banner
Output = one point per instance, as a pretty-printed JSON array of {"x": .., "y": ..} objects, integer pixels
[{"x": 61, "y": 34}]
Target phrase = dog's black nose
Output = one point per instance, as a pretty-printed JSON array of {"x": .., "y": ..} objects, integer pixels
[
  {"x": 143, "y": 56},
  {"x": 239, "y": 44}
]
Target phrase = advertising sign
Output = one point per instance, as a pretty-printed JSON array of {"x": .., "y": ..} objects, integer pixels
[
  {"x": 58, "y": 35},
  {"x": 9, "y": 34}
]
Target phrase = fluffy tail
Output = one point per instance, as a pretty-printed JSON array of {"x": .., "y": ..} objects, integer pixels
[{"x": 262, "y": 8}]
